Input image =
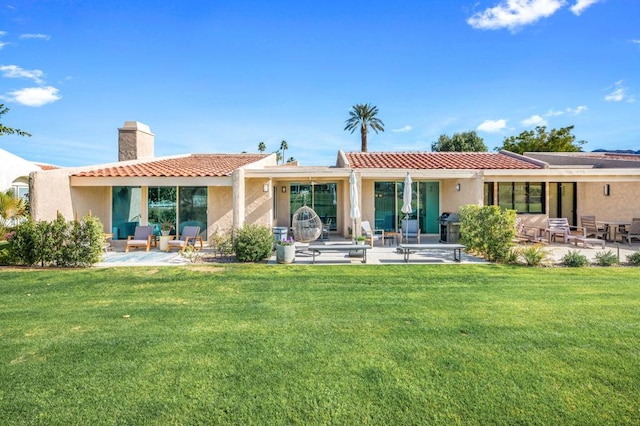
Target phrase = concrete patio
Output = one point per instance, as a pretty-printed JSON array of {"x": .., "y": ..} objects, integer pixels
[{"x": 378, "y": 255}]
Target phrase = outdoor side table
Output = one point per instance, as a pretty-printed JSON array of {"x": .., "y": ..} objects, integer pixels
[{"x": 164, "y": 242}]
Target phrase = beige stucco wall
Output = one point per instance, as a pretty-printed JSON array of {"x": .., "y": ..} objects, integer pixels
[
  {"x": 623, "y": 202},
  {"x": 50, "y": 193},
  {"x": 259, "y": 206},
  {"x": 471, "y": 192},
  {"x": 220, "y": 210}
]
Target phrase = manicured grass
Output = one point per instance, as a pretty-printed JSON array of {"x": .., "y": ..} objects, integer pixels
[{"x": 259, "y": 344}]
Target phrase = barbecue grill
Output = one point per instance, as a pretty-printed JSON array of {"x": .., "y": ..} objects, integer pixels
[{"x": 449, "y": 227}]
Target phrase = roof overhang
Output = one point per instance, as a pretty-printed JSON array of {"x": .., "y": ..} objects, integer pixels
[{"x": 77, "y": 181}]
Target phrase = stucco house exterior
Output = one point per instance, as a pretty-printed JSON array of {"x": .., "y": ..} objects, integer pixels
[
  {"x": 14, "y": 173},
  {"x": 219, "y": 192}
]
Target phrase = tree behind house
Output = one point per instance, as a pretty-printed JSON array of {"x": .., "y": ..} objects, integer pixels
[
  {"x": 459, "y": 142},
  {"x": 557, "y": 140}
]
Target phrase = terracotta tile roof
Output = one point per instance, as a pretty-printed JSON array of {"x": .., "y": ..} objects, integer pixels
[
  {"x": 436, "y": 160},
  {"x": 194, "y": 165},
  {"x": 47, "y": 167}
]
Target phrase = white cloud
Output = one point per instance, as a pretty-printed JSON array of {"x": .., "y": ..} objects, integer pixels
[
  {"x": 406, "y": 128},
  {"x": 14, "y": 71},
  {"x": 571, "y": 111},
  {"x": 2, "y": 45},
  {"x": 581, "y": 6},
  {"x": 37, "y": 36},
  {"x": 492, "y": 126},
  {"x": 513, "y": 14},
  {"x": 534, "y": 120},
  {"x": 618, "y": 94},
  {"x": 34, "y": 96},
  {"x": 577, "y": 110}
]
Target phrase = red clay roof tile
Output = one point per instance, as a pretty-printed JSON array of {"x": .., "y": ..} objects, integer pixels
[
  {"x": 194, "y": 165},
  {"x": 436, "y": 160}
]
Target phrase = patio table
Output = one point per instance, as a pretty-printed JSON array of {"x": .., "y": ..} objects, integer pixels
[{"x": 613, "y": 226}]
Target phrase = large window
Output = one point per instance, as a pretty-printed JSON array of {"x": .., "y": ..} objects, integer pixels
[
  {"x": 424, "y": 205},
  {"x": 162, "y": 207},
  {"x": 523, "y": 197},
  {"x": 181, "y": 206},
  {"x": 126, "y": 204},
  {"x": 320, "y": 197}
]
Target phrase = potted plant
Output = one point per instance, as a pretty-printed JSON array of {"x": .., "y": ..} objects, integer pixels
[
  {"x": 166, "y": 227},
  {"x": 360, "y": 239},
  {"x": 286, "y": 250}
]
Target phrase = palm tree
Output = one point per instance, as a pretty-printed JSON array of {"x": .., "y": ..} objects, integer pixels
[
  {"x": 283, "y": 147},
  {"x": 363, "y": 116},
  {"x": 12, "y": 209},
  {"x": 262, "y": 147},
  {"x": 290, "y": 160},
  {"x": 278, "y": 156}
]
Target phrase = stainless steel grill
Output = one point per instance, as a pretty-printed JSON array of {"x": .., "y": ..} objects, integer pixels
[{"x": 449, "y": 227}]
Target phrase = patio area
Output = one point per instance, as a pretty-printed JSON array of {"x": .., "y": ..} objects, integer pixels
[{"x": 378, "y": 255}]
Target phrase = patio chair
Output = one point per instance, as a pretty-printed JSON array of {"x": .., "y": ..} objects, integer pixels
[
  {"x": 526, "y": 233},
  {"x": 558, "y": 227},
  {"x": 326, "y": 230},
  {"x": 632, "y": 232},
  {"x": 409, "y": 229},
  {"x": 372, "y": 234},
  {"x": 141, "y": 238},
  {"x": 590, "y": 228},
  {"x": 189, "y": 236}
]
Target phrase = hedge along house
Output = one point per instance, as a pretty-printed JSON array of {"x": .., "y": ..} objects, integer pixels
[{"x": 226, "y": 191}]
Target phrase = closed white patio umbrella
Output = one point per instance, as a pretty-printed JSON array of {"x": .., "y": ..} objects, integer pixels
[
  {"x": 354, "y": 213},
  {"x": 406, "y": 198}
]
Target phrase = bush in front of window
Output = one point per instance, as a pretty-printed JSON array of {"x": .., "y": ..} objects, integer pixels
[
  {"x": 253, "y": 243},
  {"x": 487, "y": 230}
]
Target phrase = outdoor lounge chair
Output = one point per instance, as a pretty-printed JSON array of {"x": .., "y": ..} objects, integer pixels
[
  {"x": 372, "y": 234},
  {"x": 632, "y": 232},
  {"x": 590, "y": 228},
  {"x": 189, "y": 236},
  {"x": 409, "y": 229},
  {"x": 558, "y": 226},
  {"x": 525, "y": 233},
  {"x": 141, "y": 238}
]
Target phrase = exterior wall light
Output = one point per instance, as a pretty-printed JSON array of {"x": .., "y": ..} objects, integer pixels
[
  {"x": 265, "y": 187},
  {"x": 457, "y": 187},
  {"x": 607, "y": 189},
  {"x": 284, "y": 189}
]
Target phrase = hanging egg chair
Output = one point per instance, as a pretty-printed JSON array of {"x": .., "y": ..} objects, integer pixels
[{"x": 306, "y": 225}]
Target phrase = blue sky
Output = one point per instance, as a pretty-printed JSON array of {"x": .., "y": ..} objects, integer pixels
[{"x": 221, "y": 76}]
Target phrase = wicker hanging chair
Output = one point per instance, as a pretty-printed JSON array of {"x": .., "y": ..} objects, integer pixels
[{"x": 306, "y": 224}]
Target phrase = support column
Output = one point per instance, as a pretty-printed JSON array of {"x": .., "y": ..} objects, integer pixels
[{"x": 237, "y": 180}]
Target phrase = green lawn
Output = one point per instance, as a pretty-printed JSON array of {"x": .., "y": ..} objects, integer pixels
[{"x": 261, "y": 344}]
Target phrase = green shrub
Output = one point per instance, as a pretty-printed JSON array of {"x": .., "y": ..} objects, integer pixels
[
  {"x": 5, "y": 250},
  {"x": 221, "y": 243},
  {"x": 634, "y": 258},
  {"x": 513, "y": 256},
  {"x": 253, "y": 243},
  {"x": 606, "y": 258},
  {"x": 574, "y": 259},
  {"x": 534, "y": 255},
  {"x": 488, "y": 230},
  {"x": 57, "y": 243}
]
